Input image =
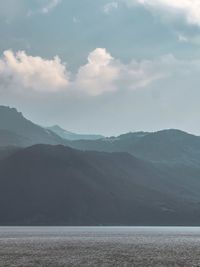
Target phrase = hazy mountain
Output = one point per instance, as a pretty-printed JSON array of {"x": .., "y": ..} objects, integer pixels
[
  {"x": 167, "y": 146},
  {"x": 18, "y": 131},
  {"x": 8, "y": 138},
  {"x": 58, "y": 185},
  {"x": 73, "y": 136},
  {"x": 46, "y": 184}
]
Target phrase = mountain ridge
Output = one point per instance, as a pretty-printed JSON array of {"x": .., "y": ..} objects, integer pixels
[
  {"x": 173, "y": 146},
  {"x": 136, "y": 178},
  {"x": 14, "y": 122},
  {"x": 41, "y": 185}
]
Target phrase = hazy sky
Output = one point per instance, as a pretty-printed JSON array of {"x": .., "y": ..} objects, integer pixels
[{"x": 100, "y": 66}]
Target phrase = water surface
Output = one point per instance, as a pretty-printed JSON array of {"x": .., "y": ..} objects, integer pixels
[{"x": 99, "y": 246}]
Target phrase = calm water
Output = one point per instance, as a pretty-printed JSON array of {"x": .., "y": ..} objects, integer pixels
[{"x": 99, "y": 246}]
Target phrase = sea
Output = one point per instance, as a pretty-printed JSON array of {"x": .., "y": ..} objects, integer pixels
[{"x": 99, "y": 246}]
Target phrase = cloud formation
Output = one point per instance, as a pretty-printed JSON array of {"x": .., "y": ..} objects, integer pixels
[
  {"x": 107, "y": 9},
  {"x": 191, "y": 39},
  {"x": 190, "y": 9},
  {"x": 101, "y": 74},
  {"x": 31, "y": 72},
  {"x": 51, "y": 4}
]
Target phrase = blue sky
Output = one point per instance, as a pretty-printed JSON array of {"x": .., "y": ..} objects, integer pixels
[{"x": 102, "y": 66}]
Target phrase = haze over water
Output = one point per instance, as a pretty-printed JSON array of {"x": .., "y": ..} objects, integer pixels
[{"x": 99, "y": 246}]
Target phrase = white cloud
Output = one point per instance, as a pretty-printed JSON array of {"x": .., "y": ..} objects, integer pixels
[
  {"x": 31, "y": 72},
  {"x": 51, "y": 4},
  {"x": 141, "y": 74},
  {"x": 190, "y": 9},
  {"x": 99, "y": 74},
  {"x": 102, "y": 73},
  {"x": 183, "y": 38},
  {"x": 107, "y": 9}
]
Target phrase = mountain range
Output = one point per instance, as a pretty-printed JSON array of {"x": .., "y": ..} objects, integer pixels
[
  {"x": 73, "y": 136},
  {"x": 166, "y": 146},
  {"x": 134, "y": 179}
]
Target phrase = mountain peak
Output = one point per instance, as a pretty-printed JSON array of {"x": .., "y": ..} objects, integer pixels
[
  {"x": 130, "y": 135},
  {"x": 172, "y": 133},
  {"x": 14, "y": 122},
  {"x": 10, "y": 111}
]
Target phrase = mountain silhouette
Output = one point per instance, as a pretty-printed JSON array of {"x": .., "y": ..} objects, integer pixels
[
  {"x": 57, "y": 185},
  {"x": 139, "y": 178},
  {"x": 17, "y": 130},
  {"x": 166, "y": 146}
]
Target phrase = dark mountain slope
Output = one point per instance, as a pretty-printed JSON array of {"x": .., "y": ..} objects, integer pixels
[
  {"x": 54, "y": 185},
  {"x": 7, "y": 151},
  {"x": 8, "y": 138},
  {"x": 22, "y": 132}
]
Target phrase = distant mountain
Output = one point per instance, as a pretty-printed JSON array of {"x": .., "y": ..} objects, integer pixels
[
  {"x": 18, "y": 131},
  {"x": 167, "y": 146},
  {"x": 56, "y": 185},
  {"x": 136, "y": 178},
  {"x": 73, "y": 136}
]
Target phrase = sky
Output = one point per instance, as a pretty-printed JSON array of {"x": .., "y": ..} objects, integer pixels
[{"x": 102, "y": 66}]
